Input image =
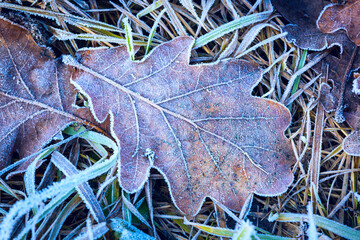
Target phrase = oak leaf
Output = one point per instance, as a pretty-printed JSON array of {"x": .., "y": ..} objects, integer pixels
[
  {"x": 302, "y": 30},
  {"x": 36, "y": 96},
  {"x": 198, "y": 125},
  {"x": 342, "y": 16},
  {"x": 351, "y": 102}
]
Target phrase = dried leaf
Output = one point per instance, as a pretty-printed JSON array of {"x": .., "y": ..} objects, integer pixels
[
  {"x": 302, "y": 30},
  {"x": 342, "y": 16},
  {"x": 197, "y": 124},
  {"x": 36, "y": 96}
]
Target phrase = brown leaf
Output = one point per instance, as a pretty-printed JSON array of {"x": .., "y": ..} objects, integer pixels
[
  {"x": 342, "y": 16},
  {"x": 302, "y": 30},
  {"x": 197, "y": 124},
  {"x": 36, "y": 96}
]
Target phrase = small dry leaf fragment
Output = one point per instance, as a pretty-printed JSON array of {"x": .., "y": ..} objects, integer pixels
[
  {"x": 342, "y": 16},
  {"x": 356, "y": 83},
  {"x": 351, "y": 144},
  {"x": 36, "y": 96},
  {"x": 197, "y": 124},
  {"x": 302, "y": 30}
]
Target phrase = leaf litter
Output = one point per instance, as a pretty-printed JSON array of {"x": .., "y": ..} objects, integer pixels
[
  {"x": 317, "y": 25},
  {"x": 302, "y": 29}
]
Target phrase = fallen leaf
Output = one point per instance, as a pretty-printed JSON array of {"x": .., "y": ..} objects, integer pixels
[
  {"x": 36, "y": 97},
  {"x": 197, "y": 124},
  {"x": 342, "y": 16},
  {"x": 302, "y": 30}
]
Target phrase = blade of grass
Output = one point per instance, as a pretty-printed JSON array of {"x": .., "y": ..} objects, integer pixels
[
  {"x": 153, "y": 30},
  {"x": 311, "y": 231},
  {"x": 245, "y": 231},
  {"x": 6, "y": 188},
  {"x": 306, "y": 67},
  {"x": 129, "y": 38},
  {"x": 229, "y": 27},
  {"x": 174, "y": 19},
  {"x": 327, "y": 224},
  {"x": 84, "y": 190},
  {"x": 60, "y": 219},
  {"x": 188, "y": 4},
  {"x": 70, "y": 19},
  {"x": 29, "y": 177},
  {"x": 53, "y": 146},
  {"x": 93, "y": 232},
  {"x": 130, "y": 232},
  {"x": 152, "y": 7},
  {"x": 224, "y": 232},
  {"x": 72, "y": 234},
  {"x": 64, "y": 35},
  {"x": 134, "y": 211},
  {"x": 250, "y": 37},
  {"x": 297, "y": 79},
  {"x": 264, "y": 42}
]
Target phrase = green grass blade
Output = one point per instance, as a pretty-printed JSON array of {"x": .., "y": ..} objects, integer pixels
[
  {"x": 65, "y": 212},
  {"x": 271, "y": 237},
  {"x": 91, "y": 136},
  {"x": 297, "y": 79},
  {"x": 229, "y": 27},
  {"x": 327, "y": 224},
  {"x": 245, "y": 231},
  {"x": 84, "y": 189},
  {"x": 153, "y": 30},
  {"x": 224, "y": 232},
  {"x": 129, "y": 38},
  {"x": 152, "y": 7},
  {"x": 55, "y": 202},
  {"x": 221, "y": 232},
  {"x": 29, "y": 177},
  {"x": 266, "y": 41}
]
